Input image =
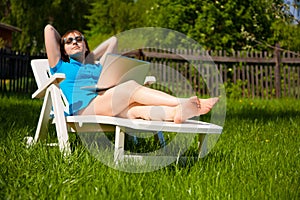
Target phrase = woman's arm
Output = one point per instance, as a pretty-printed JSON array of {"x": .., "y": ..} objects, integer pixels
[
  {"x": 52, "y": 43},
  {"x": 108, "y": 46}
]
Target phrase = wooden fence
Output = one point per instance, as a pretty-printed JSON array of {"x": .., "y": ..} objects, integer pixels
[
  {"x": 16, "y": 75},
  {"x": 243, "y": 74},
  {"x": 261, "y": 74}
]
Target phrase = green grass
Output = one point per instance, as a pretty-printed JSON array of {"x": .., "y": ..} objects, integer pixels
[{"x": 256, "y": 157}]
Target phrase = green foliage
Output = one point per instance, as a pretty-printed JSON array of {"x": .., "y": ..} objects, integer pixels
[
  {"x": 234, "y": 90},
  {"x": 221, "y": 24},
  {"x": 32, "y": 16},
  {"x": 179, "y": 15},
  {"x": 225, "y": 25},
  {"x": 66, "y": 15},
  {"x": 110, "y": 17},
  {"x": 2, "y": 43},
  {"x": 286, "y": 34},
  {"x": 25, "y": 15}
]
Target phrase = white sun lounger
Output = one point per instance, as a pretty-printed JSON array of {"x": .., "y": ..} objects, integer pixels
[{"x": 55, "y": 102}]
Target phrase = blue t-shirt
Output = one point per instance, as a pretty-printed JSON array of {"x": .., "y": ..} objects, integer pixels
[{"x": 77, "y": 75}]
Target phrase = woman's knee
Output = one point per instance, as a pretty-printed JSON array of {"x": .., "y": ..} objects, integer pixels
[{"x": 131, "y": 84}]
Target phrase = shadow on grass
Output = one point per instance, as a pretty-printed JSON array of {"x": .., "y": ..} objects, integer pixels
[
  {"x": 263, "y": 114},
  {"x": 263, "y": 110},
  {"x": 18, "y": 112}
]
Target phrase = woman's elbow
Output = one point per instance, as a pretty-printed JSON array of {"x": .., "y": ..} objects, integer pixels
[{"x": 48, "y": 26}]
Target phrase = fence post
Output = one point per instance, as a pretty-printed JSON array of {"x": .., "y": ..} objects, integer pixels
[{"x": 277, "y": 70}]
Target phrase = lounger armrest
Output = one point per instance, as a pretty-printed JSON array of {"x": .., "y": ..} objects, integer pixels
[
  {"x": 149, "y": 80},
  {"x": 54, "y": 79}
]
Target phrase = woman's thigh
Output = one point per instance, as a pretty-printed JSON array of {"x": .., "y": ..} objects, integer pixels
[{"x": 111, "y": 102}]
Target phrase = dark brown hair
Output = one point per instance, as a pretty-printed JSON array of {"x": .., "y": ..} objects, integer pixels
[{"x": 64, "y": 55}]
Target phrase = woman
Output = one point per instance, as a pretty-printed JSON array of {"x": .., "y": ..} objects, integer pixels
[{"x": 67, "y": 54}]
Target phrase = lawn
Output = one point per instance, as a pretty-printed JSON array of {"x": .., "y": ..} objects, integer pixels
[{"x": 256, "y": 157}]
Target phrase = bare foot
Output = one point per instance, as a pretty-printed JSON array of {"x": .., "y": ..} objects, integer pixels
[
  {"x": 195, "y": 100},
  {"x": 193, "y": 107},
  {"x": 187, "y": 109},
  {"x": 207, "y": 105}
]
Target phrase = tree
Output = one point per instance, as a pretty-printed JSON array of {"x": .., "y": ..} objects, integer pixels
[
  {"x": 24, "y": 14},
  {"x": 218, "y": 24},
  {"x": 67, "y": 15},
  {"x": 110, "y": 17},
  {"x": 32, "y": 16},
  {"x": 229, "y": 24},
  {"x": 4, "y": 8},
  {"x": 221, "y": 24},
  {"x": 285, "y": 31}
]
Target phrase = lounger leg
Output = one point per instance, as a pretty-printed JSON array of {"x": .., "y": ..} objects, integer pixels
[
  {"x": 42, "y": 127},
  {"x": 202, "y": 145},
  {"x": 119, "y": 144},
  {"x": 60, "y": 120},
  {"x": 161, "y": 138}
]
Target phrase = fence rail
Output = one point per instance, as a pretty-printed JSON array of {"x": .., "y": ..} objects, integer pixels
[
  {"x": 244, "y": 74},
  {"x": 261, "y": 74},
  {"x": 16, "y": 75}
]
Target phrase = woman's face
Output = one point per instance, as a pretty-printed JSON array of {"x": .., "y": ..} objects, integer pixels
[{"x": 75, "y": 46}]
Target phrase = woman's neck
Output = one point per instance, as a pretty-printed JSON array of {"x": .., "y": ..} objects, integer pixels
[{"x": 78, "y": 57}]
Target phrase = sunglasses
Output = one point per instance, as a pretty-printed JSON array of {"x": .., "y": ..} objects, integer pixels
[{"x": 69, "y": 40}]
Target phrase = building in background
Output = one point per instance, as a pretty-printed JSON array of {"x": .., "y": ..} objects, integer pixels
[{"x": 6, "y": 32}]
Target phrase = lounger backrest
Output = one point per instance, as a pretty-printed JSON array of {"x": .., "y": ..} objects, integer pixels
[
  {"x": 41, "y": 71},
  {"x": 42, "y": 74}
]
